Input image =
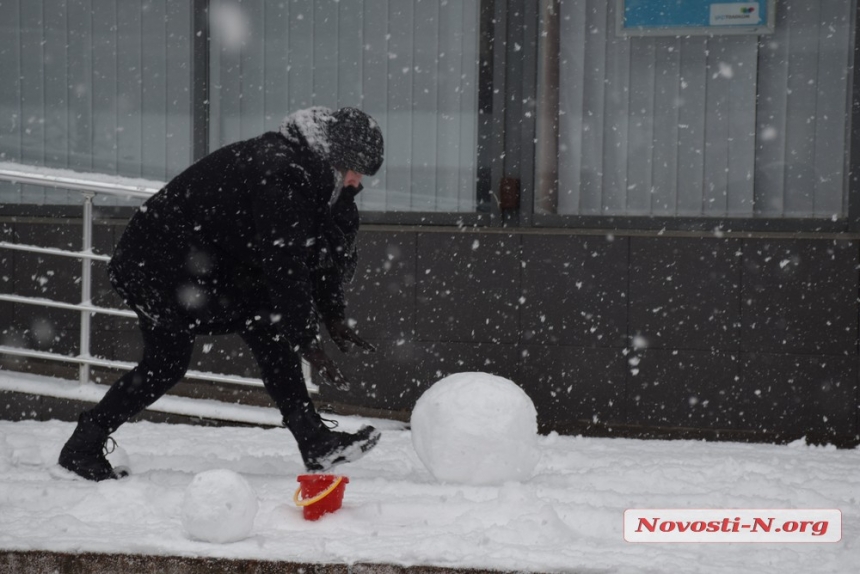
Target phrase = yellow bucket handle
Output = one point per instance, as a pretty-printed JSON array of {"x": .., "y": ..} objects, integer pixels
[{"x": 319, "y": 496}]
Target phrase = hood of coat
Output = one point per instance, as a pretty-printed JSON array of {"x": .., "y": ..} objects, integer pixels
[{"x": 310, "y": 125}]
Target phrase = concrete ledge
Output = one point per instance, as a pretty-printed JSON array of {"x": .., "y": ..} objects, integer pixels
[{"x": 39, "y": 562}]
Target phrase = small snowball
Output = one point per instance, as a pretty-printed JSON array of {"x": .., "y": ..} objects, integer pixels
[
  {"x": 118, "y": 458},
  {"x": 476, "y": 428},
  {"x": 219, "y": 506}
]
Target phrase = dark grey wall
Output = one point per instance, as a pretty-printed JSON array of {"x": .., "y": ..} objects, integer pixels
[
  {"x": 682, "y": 332},
  {"x": 607, "y": 333}
]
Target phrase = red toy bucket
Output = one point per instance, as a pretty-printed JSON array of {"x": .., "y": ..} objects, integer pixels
[{"x": 318, "y": 494}]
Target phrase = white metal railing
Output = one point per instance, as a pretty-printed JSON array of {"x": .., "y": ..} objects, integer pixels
[{"x": 89, "y": 188}]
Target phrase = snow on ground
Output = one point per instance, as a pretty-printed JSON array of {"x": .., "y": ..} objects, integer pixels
[{"x": 568, "y": 517}]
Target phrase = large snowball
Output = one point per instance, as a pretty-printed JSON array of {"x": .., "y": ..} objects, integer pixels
[
  {"x": 219, "y": 506},
  {"x": 476, "y": 428}
]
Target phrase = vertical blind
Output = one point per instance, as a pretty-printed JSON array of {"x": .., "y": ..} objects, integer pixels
[
  {"x": 95, "y": 86},
  {"x": 721, "y": 126},
  {"x": 411, "y": 64},
  {"x": 731, "y": 126}
]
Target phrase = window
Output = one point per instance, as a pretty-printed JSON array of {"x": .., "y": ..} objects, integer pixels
[
  {"x": 412, "y": 65},
  {"x": 703, "y": 128},
  {"x": 715, "y": 127},
  {"x": 94, "y": 86}
]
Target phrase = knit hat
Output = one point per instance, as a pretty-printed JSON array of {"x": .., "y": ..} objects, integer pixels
[{"x": 355, "y": 141}]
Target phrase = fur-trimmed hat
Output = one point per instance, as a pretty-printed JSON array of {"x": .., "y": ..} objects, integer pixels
[{"x": 355, "y": 141}]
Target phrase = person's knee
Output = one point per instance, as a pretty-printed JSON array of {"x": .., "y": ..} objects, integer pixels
[
  {"x": 161, "y": 369},
  {"x": 134, "y": 382},
  {"x": 166, "y": 355},
  {"x": 173, "y": 369}
]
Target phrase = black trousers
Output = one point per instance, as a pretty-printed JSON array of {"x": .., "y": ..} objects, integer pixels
[{"x": 166, "y": 356}]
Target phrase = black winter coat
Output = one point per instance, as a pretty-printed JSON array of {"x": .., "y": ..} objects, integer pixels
[{"x": 245, "y": 234}]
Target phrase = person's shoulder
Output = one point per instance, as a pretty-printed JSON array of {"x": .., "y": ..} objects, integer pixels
[
  {"x": 271, "y": 146},
  {"x": 268, "y": 141},
  {"x": 273, "y": 138},
  {"x": 284, "y": 154}
]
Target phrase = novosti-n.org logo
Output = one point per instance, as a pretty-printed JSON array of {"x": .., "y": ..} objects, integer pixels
[{"x": 732, "y": 525}]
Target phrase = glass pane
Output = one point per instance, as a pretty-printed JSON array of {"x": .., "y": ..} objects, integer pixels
[
  {"x": 722, "y": 126},
  {"x": 94, "y": 86},
  {"x": 412, "y": 65}
]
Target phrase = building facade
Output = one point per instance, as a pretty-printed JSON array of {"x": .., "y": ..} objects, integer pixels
[{"x": 650, "y": 231}]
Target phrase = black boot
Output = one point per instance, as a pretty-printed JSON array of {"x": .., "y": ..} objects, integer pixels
[
  {"x": 323, "y": 448},
  {"x": 84, "y": 452}
]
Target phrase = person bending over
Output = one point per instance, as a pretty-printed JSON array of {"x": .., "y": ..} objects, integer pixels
[{"x": 258, "y": 239}]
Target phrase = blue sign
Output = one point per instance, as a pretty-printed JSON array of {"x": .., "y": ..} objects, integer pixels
[{"x": 678, "y": 17}]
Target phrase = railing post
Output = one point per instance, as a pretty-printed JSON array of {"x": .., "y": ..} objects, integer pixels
[{"x": 86, "y": 286}]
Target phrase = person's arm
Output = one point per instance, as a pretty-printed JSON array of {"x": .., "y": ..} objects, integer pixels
[
  {"x": 338, "y": 267},
  {"x": 285, "y": 219},
  {"x": 329, "y": 280},
  {"x": 286, "y": 224}
]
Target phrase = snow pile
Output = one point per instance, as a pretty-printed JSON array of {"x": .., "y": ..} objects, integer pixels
[
  {"x": 476, "y": 428},
  {"x": 569, "y": 517},
  {"x": 219, "y": 506},
  {"x": 118, "y": 459},
  {"x": 5, "y": 456}
]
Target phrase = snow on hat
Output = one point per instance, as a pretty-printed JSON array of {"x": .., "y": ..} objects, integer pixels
[{"x": 355, "y": 141}]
